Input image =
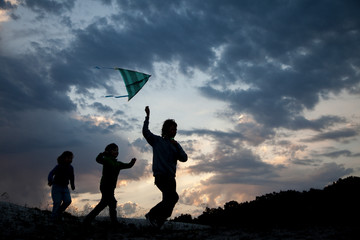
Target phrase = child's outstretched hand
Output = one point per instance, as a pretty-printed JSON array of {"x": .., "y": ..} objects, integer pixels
[{"x": 132, "y": 162}]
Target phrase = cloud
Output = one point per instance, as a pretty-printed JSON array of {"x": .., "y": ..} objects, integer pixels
[
  {"x": 270, "y": 109},
  {"x": 128, "y": 208},
  {"x": 101, "y": 108},
  {"x": 336, "y": 135},
  {"x": 288, "y": 66},
  {"x": 141, "y": 169},
  {"x": 234, "y": 164},
  {"x": 6, "y": 5},
  {"x": 212, "y": 194},
  {"x": 253, "y": 134},
  {"x": 119, "y": 113},
  {"x": 39, "y": 138},
  {"x": 29, "y": 89},
  {"x": 287, "y": 148},
  {"x": 49, "y": 6},
  {"x": 337, "y": 154},
  {"x": 282, "y": 81},
  {"x": 306, "y": 161},
  {"x": 328, "y": 172},
  {"x": 269, "y": 63},
  {"x": 142, "y": 145}
]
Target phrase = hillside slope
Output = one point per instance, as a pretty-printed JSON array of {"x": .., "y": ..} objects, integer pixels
[
  {"x": 336, "y": 204},
  {"x": 19, "y": 222},
  {"x": 331, "y": 213}
]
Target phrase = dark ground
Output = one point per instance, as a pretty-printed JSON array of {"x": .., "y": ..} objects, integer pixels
[{"x": 17, "y": 222}]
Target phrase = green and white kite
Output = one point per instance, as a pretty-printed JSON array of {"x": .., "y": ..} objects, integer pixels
[{"x": 133, "y": 80}]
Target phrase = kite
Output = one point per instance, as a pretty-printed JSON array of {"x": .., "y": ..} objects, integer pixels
[{"x": 133, "y": 80}]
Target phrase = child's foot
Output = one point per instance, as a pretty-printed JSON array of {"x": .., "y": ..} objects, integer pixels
[{"x": 154, "y": 222}]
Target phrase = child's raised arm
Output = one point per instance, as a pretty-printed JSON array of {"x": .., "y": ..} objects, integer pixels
[{"x": 147, "y": 111}]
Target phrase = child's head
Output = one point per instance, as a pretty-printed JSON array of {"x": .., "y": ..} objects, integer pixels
[
  {"x": 65, "y": 157},
  {"x": 169, "y": 129},
  {"x": 112, "y": 149}
]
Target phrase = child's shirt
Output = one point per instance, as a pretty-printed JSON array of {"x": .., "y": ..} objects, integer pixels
[
  {"x": 165, "y": 154},
  {"x": 111, "y": 170},
  {"x": 61, "y": 175}
]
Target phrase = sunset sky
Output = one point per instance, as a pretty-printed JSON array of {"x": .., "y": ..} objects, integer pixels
[{"x": 265, "y": 93}]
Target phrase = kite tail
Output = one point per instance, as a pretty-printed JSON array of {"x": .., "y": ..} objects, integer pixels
[
  {"x": 108, "y": 96},
  {"x": 112, "y": 68},
  {"x": 121, "y": 96}
]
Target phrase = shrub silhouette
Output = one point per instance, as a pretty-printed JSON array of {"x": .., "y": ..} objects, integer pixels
[
  {"x": 337, "y": 204},
  {"x": 185, "y": 218}
]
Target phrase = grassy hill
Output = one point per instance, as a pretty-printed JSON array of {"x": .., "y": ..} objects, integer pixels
[
  {"x": 19, "y": 222},
  {"x": 330, "y": 213}
]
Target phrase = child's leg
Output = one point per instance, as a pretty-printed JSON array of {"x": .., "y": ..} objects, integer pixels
[
  {"x": 112, "y": 208},
  {"x": 109, "y": 195},
  {"x": 98, "y": 208},
  {"x": 56, "y": 197},
  {"x": 164, "y": 209},
  {"x": 105, "y": 196},
  {"x": 66, "y": 200}
]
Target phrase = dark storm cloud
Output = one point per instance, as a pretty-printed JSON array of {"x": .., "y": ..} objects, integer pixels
[
  {"x": 43, "y": 7},
  {"x": 248, "y": 132},
  {"x": 337, "y": 154},
  {"x": 286, "y": 54},
  {"x": 232, "y": 163},
  {"x": 101, "y": 107},
  {"x": 270, "y": 110},
  {"x": 31, "y": 142},
  {"x": 44, "y": 80},
  {"x": 319, "y": 177},
  {"x": 6, "y": 5},
  {"x": 306, "y": 161},
  {"x": 336, "y": 135},
  {"x": 174, "y": 30},
  {"x": 29, "y": 89},
  {"x": 119, "y": 113},
  {"x": 141, "y": 33},
  {"x": 330, "y": 171},
  {"x": 141, "y": 145},
  {"x": 289, "y": 53},
  {"x": 211, "y": 133},
  {"x": 304, "y": 53},
  {"x": 243, "y": 167},
  {"x": 141, "y": 169}
]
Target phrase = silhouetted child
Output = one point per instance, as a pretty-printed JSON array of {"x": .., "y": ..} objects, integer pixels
[
  {"x": 166, "y": 152},
  {"x": 58, "y": 179},
  {"x": 110, "y": 172}
]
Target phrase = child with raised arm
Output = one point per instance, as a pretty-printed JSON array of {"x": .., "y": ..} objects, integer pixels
[
  {"x": 58, "y": 179},
  {"x": 110, "y": 172},
  {"x": 166, "y": 152}
]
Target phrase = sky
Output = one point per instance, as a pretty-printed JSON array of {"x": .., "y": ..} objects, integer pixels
[{"x": 265, "y": 94}]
